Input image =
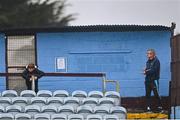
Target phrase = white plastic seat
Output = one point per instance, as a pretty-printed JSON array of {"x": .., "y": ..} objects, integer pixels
[
  {"x": 84, "y": 110},
  {"x": 79, "y": 94},
  {"x": 111, "y": 117},
  {"x": 95, "y": 94},
  {"x": 115, "y": 95},
  {"x": 49, "y": 109},
  {"x": 73, "y": 101},
  {"x": 5, "y": 101},
  {"x": 28, "y": 93},
  {"x": 109, "y": 102},
  {"x": 60, "y": 93},
  {"x": 119, "y": 111},
  {"x": 32, "y": 109},
  {"x": 44, "y": 93},
  {"x": 58, "y": 117},
  {"x": 6, "y": 116},
  {"x": 56, "y": 101},
  {"x": 22, "y": 116},
  {"x": 94, "y": 117},
  {"x": 101, "y": 110},
  {"x": 75, "y": 117},
  {"x": 2, "y": 109},
  {"x": 40, "y": 101},
  {"x": 9, "y": 93},
  {"x": 14, "y": 109},
  {"x": 42, "y": 116},
  {"x": 92, "y": 102},
  {"x": 66, "y": 109},
  {"x": 21, "y": 101}
]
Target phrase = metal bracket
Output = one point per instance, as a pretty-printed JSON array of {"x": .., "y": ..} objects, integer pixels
[{"x": 116, "y": 82}]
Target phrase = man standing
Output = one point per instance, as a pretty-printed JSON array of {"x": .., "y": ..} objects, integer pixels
[
  {"x": 152, "y": 73},
  {"x": 32, "y": 73}
]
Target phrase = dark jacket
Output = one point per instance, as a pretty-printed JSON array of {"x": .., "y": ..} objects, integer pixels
[
  {"x": 27, "y": 75},
  {"x": 152, "y": 69}
]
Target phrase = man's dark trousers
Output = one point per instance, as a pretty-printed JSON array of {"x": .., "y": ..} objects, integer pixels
[{"x": 152, "y": 86}]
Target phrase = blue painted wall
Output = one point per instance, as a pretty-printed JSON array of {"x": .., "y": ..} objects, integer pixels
[
  {"x": 121, "y": 55},
  {"x": 2, "y": 62}
]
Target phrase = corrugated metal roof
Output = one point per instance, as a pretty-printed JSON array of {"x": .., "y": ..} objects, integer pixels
[{"x": 89, "y": 28}]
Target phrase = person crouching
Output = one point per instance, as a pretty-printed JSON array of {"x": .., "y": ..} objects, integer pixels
[{"x": 32, "y": 73}]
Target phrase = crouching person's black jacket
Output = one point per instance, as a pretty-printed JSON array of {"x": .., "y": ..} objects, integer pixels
[{"x": 27, "y": 75}]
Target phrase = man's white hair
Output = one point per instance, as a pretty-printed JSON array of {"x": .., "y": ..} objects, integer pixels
[{"x": 152, "y": 50}]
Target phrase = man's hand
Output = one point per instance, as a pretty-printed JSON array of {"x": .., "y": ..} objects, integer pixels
[
  {"x": 144, "y": 71},
  {"x": 33, "y": 78}
]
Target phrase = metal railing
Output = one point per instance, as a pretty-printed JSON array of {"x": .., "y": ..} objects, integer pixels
[
  {"x": 102, "y": 75},
  {"x": 116, "y": 82}
]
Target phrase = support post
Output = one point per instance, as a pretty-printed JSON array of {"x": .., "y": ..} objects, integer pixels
[{"x": 33, "y": 84}]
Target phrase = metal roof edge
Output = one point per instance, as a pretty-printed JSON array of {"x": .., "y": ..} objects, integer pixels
[{"x": 87, "y": 28}]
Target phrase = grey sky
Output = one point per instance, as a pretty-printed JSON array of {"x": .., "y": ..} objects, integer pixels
[{"x": 156, "y": 12}]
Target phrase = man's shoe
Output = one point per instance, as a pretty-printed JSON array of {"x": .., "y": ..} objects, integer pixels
[
  {"x": 160, "y": 109},
  {"x": 148, "y": 109}
]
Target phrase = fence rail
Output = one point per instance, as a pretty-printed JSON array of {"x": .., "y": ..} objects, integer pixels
[
  {"x": 60, "y": 74},
  {"x": 102, "y": 75}
]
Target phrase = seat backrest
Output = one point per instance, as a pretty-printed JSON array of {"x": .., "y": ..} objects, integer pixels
[
  {"x": 22, "y": 101},
  {"x": 6, "y": 116},
  {"x": 84, "y": 109},
  {"x": 49, "y": 109},
  {"x": 115, "y": 95},
  {"x": 90, "y": 101},
  {"x": 112, "y": 94},
  {"x": 2, "y": 109},
  {"x": 79, "y": 94},
  {"x": 66, "y": 109},
  {"x": 75, "y": 117},
  {"x": 22, "y": 116},
  {"x": 42, "y": 116},
  {"x": 58, "y": 117},
  {"x": 5, "y": 101},
  {"x": 72, "y": 101},
  {"x": 101, "y": 110},
  {"x": 14, "y": 109},
  {"x": 111, "y": 117},
  {"x": 32, "y": 109},
  {"x": 40, "y": 101},
  {"x": 9, "y": 93},
  {"x": 57, "y": 101},
  {"x": 94, "y": 117},
  {"x": 119, "y": 111},
  {"x": 60, "y": 93},
  {"x": 95, "y": 94},
  {"x": 44, "y": 93},
  {"x": 28, "y": 93},
  {"x": 109, "y": 102}
]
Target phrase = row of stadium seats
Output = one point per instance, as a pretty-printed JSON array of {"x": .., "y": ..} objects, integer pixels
[
  {"x": 60, "y": 102},
  {"x": 66, "y": 109},
  {"x": 59, "y": 93},
  {"x": 63, "y": 94},
  {"x": 44, "y": 116},
  {"x": 57, "y": 101}
]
